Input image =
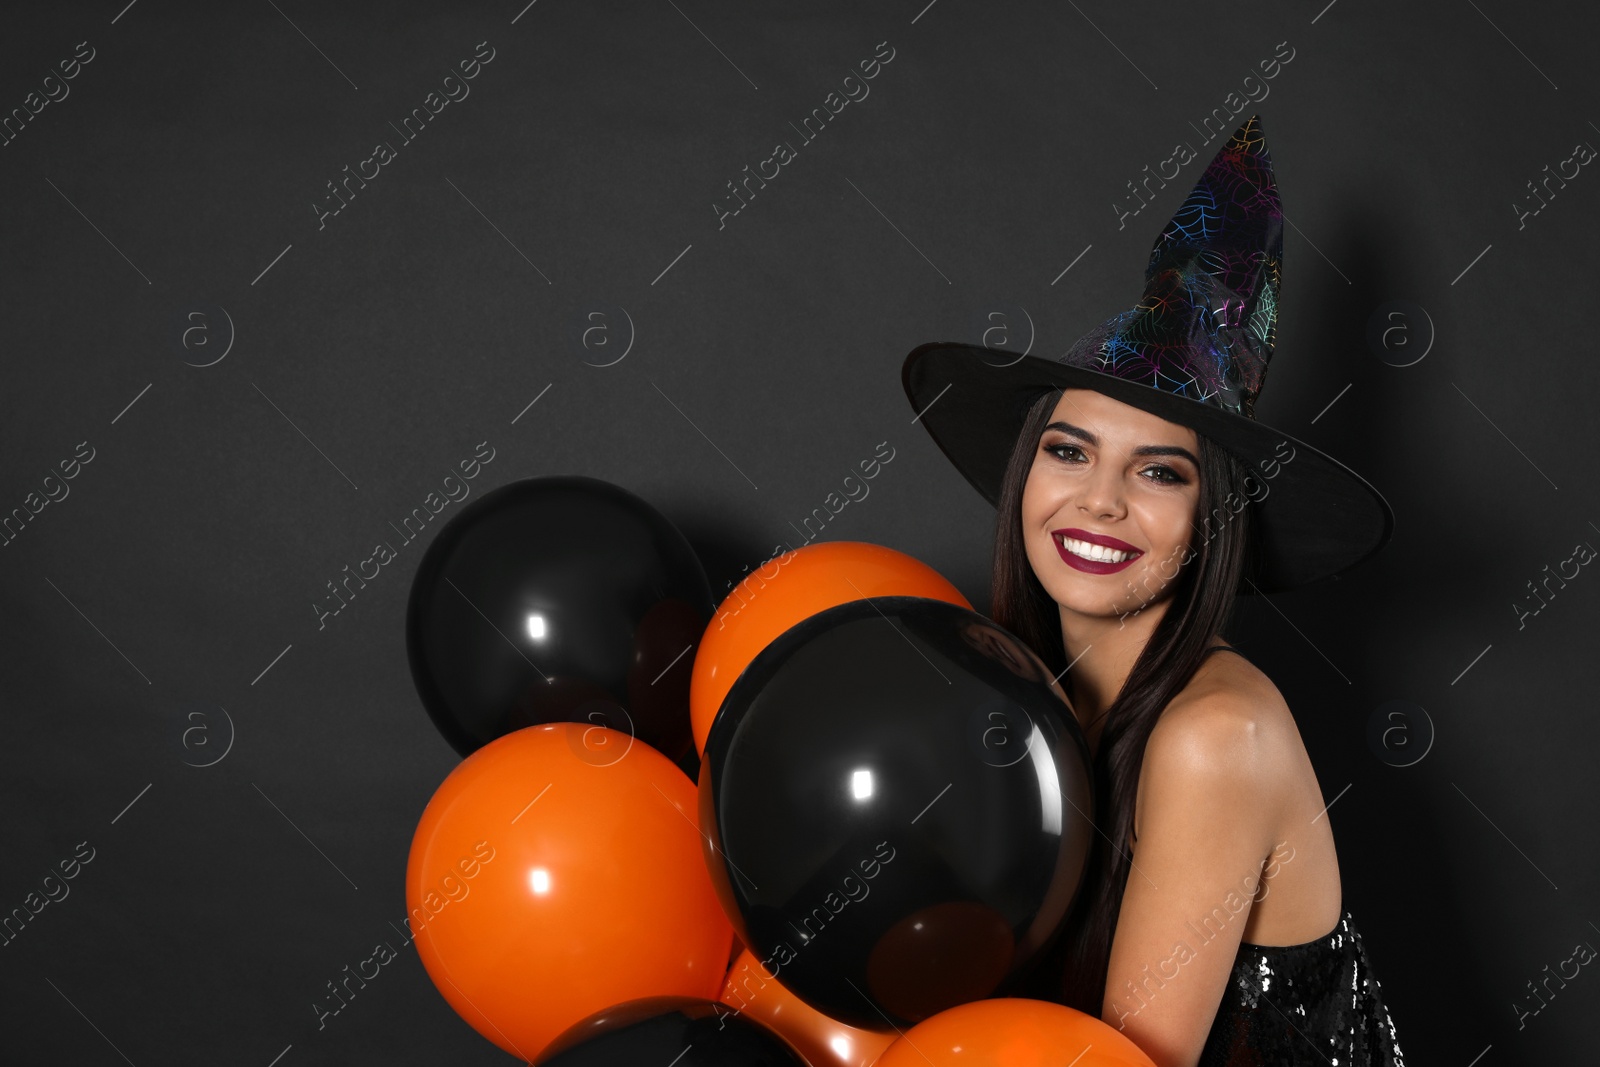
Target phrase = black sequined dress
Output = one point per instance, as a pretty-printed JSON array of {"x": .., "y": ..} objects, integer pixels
[{"x": 1313, "y": 1003}]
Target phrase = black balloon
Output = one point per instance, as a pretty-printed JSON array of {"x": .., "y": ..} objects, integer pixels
[
  {"x": 560, "y": 598},
  {"x": 897, "y": 803},
  {"x": 663, "y": 1031}
]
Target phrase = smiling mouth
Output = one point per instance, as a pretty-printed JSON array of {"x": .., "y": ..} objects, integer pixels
[
  {"x": 1093, "y": 553},
  {"x": 1092, "y": 557}
]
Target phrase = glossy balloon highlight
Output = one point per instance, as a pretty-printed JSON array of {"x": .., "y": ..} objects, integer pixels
[
  {"x": 897, "y": 801},
  {"x": 558, "y": 871},
  {"x": 563, "y": 598}
]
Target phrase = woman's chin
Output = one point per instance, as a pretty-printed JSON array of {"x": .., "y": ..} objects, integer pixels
[
  {"x": 1086, "y": 601},
  {"x": 1096, "y": 598}
]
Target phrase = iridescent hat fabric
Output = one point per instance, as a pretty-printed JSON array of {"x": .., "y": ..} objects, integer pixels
[
  {"x": 1193, "y": 350},
  {"x": 1205, "y": 326}
]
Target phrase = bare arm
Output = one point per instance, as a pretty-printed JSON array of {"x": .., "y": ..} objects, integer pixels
[{"x": 1207, "y": 808}]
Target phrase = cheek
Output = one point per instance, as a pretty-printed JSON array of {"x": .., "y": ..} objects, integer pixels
[
  {"x": 1168, "y": 525},
  {"x": 1037, "y": 506},
  {"x": 1037, "y": 502},
  {"x": 1040, "y": 510}
]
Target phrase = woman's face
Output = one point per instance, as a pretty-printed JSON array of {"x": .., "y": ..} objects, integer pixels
[{"x": 1103, "y": 470}]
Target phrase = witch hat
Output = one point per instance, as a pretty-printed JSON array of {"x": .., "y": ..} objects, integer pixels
[{"x": 1194, "y": 350}]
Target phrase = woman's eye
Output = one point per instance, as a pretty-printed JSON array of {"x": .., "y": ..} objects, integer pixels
[
  {"x": 1167, "y": 475},
  {"x": 1057, "y": 450},
  {"x": 1157, "y": 473}
]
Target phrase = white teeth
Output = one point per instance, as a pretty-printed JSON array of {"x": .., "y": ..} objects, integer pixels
[{"x": 1100, "y": 553}]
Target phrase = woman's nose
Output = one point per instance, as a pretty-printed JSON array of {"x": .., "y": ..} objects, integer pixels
[{"x": 1102, "y": 493}]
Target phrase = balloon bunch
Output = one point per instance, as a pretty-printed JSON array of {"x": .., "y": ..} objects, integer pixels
[{"x": 889, "y": 823}]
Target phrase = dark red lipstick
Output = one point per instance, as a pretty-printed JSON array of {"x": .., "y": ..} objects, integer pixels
[{"x": 1093, "y": 566}]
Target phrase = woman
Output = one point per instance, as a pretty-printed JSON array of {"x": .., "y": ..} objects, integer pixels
[{"x": 1136, "y": 494}]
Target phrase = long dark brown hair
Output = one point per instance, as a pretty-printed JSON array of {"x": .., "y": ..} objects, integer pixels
[{"x": 1201, "y": 604}]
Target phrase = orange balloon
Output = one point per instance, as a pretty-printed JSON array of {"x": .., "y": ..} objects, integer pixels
[
  {"x": 556, "y": 872},
  {"x": 1013, "y": 1032},
  {"x": 824, "y": 1042},
  {"x": 802, "y": 583}
]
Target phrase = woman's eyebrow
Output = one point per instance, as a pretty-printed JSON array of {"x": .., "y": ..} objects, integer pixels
[{"x": 1142, "y": 450}]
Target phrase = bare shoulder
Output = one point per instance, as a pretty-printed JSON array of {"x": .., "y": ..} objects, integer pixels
[
  {"x": 1229, "y": 729},
  {"x": 1226, "y": 751},
  {"x": 1229, "y": 709},
  {"x": 1229, "y": 694}
]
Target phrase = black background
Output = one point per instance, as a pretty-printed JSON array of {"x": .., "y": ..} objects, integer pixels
[{"x": 371, "y": 355}]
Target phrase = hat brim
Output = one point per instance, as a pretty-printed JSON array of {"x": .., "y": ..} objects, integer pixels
[{"x": 1317, "y": 516}]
